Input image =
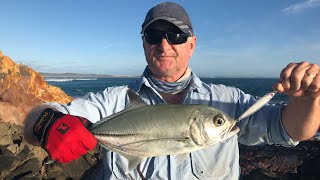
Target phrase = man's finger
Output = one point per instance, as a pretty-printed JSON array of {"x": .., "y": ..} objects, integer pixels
[
  {"x": 278, "y": 87},
  {"x": 315, "y": 84},
  {"x": 285, "y": 75},
  {"x": 297, "y": 75}
]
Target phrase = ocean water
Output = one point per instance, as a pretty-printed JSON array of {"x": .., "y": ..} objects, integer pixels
[{"x": 79, "y": 87}]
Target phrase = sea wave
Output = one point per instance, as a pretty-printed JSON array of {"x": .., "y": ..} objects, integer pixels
[{"x": 69, "y": 79}]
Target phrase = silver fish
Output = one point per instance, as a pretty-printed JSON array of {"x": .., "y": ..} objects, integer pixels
[
  {"x": 257, "y": 105},
  {"x": 142, "y": 130}
]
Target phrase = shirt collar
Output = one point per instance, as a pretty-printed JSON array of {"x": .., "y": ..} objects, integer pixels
[{"x": 197, "y": 84}]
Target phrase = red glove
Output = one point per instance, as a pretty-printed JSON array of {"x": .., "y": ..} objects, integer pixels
[{"x": 63, "y": 136}]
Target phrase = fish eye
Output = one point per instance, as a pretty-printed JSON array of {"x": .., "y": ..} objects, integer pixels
[{"x": 218, "y": 121}]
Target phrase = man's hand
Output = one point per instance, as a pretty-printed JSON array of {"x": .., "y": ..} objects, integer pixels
[
  {"x": 301, "y": 82},
  {"x": 63, "y": 136}
]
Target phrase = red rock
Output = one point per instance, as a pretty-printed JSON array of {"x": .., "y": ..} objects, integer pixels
[{"x": 21, "y": 89}]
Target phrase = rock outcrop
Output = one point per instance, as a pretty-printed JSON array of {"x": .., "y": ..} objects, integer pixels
[
  {"x": 21, "y": 89},
  {"x": 278, "y": 162}
]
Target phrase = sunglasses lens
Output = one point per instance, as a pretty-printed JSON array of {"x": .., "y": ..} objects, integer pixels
[
  {"x": 175, "y": 38},
  {"x": 155, "y": 37}
]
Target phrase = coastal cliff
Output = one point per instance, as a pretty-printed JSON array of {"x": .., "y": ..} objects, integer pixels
[{"x": 21, "y": 89}]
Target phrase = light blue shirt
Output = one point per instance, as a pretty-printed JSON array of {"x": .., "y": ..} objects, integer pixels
[{"x": 220, "y": 161}]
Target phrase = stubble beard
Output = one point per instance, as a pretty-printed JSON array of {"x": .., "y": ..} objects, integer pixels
[{"x": 156, "y": 65}]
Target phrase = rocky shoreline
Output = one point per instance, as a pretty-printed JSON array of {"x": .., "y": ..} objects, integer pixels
[{"x": 277, "y": 162}]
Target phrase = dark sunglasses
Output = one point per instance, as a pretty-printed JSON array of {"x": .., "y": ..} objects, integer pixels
[{"x": 154, "y": 37}]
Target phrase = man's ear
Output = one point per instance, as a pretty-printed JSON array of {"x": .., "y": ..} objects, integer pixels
[
  {"x": 143, "y": 44},
  {"x": 193, "y": 42}
]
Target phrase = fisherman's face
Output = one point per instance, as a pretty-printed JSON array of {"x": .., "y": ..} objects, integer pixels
[{"x": 168, "y": 61}]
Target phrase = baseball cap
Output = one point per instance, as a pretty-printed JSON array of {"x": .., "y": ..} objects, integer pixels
[{"x": 169, "y": 11}]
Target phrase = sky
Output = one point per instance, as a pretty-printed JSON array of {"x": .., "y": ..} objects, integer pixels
[{"x": 246, "y": 38}]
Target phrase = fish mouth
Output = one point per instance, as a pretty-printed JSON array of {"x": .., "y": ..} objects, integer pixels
[{"x": 233, "y": 129}]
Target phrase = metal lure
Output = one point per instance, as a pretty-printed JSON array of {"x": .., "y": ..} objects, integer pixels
[{"x": 257, "y": 105}]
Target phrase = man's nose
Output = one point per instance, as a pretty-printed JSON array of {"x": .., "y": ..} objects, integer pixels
[{"x": 164, "y": 44}]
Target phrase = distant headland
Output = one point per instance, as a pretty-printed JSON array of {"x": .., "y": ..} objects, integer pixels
[{"x": 77, "y": 75}]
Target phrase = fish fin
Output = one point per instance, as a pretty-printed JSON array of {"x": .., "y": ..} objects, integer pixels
[
  {"x": 135, "y": 102},
  {"x": 181, "y": 157},
  {"x": 133, "y": 162}
]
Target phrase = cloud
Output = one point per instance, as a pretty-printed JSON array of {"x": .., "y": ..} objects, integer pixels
[{"x": 299, "y": 7}]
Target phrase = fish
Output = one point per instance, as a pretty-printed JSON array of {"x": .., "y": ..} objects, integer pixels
[
  {"x": 257, "y": 105},
  {"x": 141, "y": 130}
]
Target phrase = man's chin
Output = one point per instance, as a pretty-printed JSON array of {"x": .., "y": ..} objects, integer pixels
[{"x": 160, "y": 72}]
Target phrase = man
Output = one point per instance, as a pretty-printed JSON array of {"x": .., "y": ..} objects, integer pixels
[{"x": 169, "y": 42}]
